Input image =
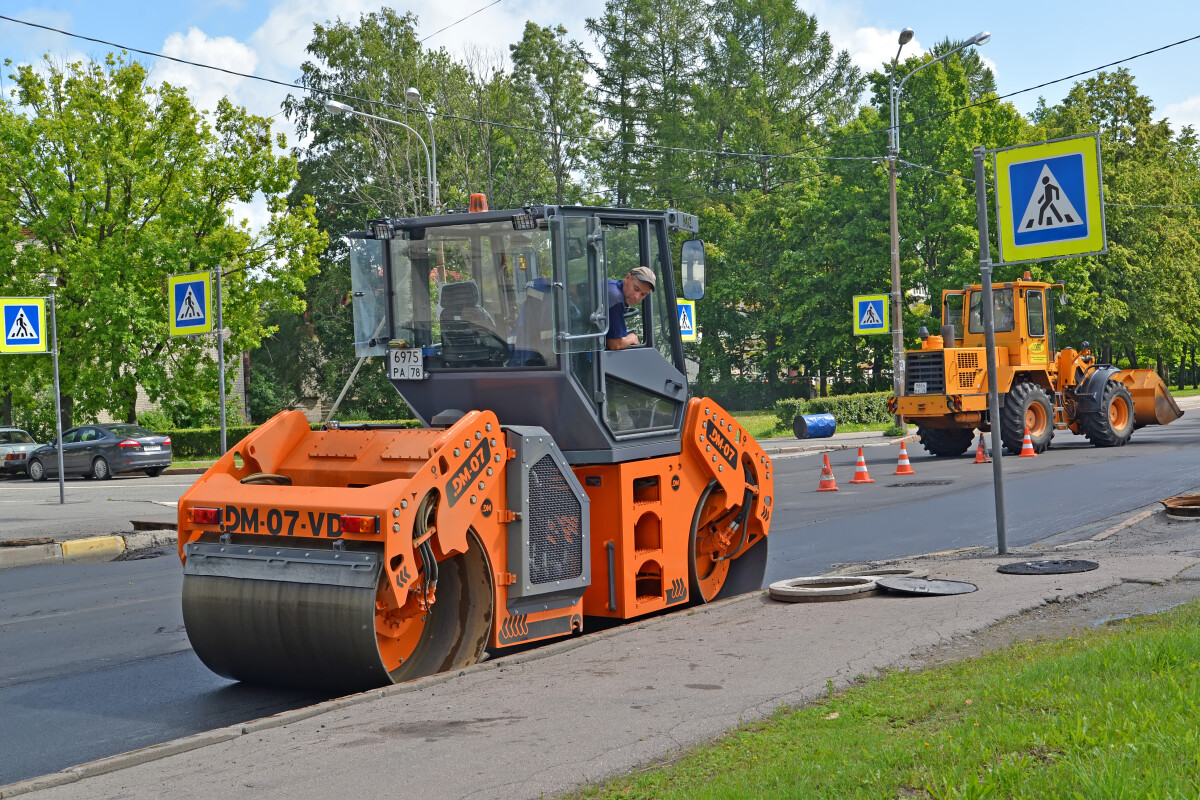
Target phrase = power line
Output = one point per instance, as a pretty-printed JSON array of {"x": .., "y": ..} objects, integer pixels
[
  {"x": 452, "y": 24},
  {"x": 581, "y": 137}
]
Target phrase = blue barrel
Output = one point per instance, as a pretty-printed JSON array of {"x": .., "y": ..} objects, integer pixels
[{"x": 814, "y": 426}]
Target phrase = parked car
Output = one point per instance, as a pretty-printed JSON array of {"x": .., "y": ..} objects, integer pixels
[
  {"x": 15, "y": 447},
  {"x": 101, "y": 451}
]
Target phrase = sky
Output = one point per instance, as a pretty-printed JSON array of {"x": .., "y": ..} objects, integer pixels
[{"x": 1033, "y": 41}]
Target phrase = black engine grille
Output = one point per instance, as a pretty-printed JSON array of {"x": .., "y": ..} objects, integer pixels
[
  {"x": 929, "y": 368},
  {"x": 555, "y": 532}
]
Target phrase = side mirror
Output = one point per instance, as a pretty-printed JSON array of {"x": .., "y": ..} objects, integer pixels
[{"x": 693, "y": 269}]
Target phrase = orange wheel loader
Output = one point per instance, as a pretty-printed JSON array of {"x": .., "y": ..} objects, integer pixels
[{"x": 553, "y": 480}]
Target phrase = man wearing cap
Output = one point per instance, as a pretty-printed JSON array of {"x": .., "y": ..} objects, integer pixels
[{"x": 629, "y": 291}]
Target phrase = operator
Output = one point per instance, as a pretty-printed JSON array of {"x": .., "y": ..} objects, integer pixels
[{"x": 629, "y": 291}]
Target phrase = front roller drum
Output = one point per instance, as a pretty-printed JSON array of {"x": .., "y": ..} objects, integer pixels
[{"x": 308, "y": 618}]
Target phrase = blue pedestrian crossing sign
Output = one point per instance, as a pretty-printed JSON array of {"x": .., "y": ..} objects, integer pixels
[
  {"x": 190, "y": 296},
  {"x": 687, "y": 320},
  {"x": 24, "y": 320},
  {"x": 870, "y": 314},
  {"x": 1050, "y": 200}
]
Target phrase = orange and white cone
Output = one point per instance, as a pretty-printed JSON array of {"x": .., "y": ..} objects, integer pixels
[
  {"x": 828, "y": 484},
  {"x": 981, "y": 457},
  {"x": 902, "y": 465},
  {"x": 1027, "y": 450},
  {"x": 860, "y": 470}
]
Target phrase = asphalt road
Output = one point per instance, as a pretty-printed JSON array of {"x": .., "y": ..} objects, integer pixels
[
  {"x": 92, "y": 508},
  {"x": 94, "y": 660}
]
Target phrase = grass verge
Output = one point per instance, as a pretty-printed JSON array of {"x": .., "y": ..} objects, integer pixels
[
  {"x": 1110, "y": 713},
  {"x": 765, "y": 425}
]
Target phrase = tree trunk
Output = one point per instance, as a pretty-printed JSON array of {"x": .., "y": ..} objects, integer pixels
[
  {"x": 68, "y": 412},
  {"x": 1162, "y": 368},
  {"x": 246, "y": 387},
  {"x": 1181, "y": 374},
  {"x": 822, "y": 390},
  {"x": 1131, "y": 354},
  {"x": 1107, "y": 353},
  {"x": 1195, "y": 379},
  {"x": 6, "y": 407}
]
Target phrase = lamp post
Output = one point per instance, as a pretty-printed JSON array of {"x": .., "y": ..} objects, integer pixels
[
  {"x": 334, "y": 107},
  {"x": 894, "y": 91},
  {"x": 414, "y": 97}
]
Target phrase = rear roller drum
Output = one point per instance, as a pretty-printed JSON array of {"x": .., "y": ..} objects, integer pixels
[{"x": 713, "y": 574}]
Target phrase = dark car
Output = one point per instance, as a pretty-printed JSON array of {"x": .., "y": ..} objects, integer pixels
[
  {"x": 15, "y": 447},
  {"x": 101, "y": 451}
]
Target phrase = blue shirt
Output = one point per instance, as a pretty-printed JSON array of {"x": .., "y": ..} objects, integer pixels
[{"x": 616, "y": 310}]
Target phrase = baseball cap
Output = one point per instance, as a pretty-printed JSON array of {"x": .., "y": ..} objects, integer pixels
[{"x": 644, "y": 274}]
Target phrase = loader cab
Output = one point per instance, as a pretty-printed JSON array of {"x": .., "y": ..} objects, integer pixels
[
  {"x": 507, "y": 311},
  {"x": 1022, "y": 316}
]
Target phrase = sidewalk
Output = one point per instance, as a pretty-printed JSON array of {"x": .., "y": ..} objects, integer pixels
[{"x": 548, "y": 720}]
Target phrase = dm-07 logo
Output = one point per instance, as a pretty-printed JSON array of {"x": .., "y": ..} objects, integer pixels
[
  {"x": 472, "y": 468},
  {"x": 723, "y": 446}
]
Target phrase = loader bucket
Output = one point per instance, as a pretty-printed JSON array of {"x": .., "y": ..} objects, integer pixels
[{"x": 1152, "y": 401}]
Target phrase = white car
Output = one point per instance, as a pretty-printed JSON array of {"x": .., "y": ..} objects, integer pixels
[{"x": 15, "y": 447}]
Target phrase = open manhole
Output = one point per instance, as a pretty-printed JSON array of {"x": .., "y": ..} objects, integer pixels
[
  {"x": 925, "y": 586},
  {"x": 903, "y": 484},
  {"x": 821, "y": 588},
  {"x": 1183, "y": 505},
  {"x": 1050, "y": 566}
]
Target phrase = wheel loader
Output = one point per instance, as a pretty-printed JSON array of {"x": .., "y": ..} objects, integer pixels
[
  {"x": 1042, "y": 389},
  {"x": 551, "y": 482}
]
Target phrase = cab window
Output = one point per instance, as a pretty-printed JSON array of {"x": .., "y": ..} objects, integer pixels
[{"x": 1035, "y": 312}]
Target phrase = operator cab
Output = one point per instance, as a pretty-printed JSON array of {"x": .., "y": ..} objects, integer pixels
[{"x": 507, "y": 311}]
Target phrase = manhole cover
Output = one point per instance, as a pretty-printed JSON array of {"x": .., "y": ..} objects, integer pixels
[
  {"x": 1184, "y": 505},
  {"x": 919, "y": 483},
  {"x": 925, "y": 586},
  {"x": 1051, "y": 566}
]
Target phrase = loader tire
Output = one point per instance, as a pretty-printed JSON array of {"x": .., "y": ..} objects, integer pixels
[
  {"x": 951, "y": 442},
  {"x": 1026, "y": 406},
  {"x": 1112, "y": 425}
]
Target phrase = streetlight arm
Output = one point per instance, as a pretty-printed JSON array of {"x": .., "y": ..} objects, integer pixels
[
  {"x": 979, "y": 38},
  {"x": 342, "y": 108}
]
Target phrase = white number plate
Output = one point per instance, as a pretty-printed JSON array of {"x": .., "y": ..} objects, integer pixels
[
  {"x": 406, "y": 364},
  {"x": 920, "y": 387},
  {"x": 151, "y": 448}
]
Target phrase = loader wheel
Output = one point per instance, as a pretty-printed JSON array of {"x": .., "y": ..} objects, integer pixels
[
  {"x": 950, "y": 442},
  {"x": 1112, "y": 425},
  {"x": 1027, "y": 406}
]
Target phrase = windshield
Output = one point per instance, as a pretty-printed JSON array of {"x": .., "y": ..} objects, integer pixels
[
  {"x": 477, "y": 295},
  {"x": 1002, "y": 310},
  {"x": 15, "y": 437}
]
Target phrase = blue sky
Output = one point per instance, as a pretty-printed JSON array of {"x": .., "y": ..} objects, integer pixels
[{"x": 1033, "y": 41}]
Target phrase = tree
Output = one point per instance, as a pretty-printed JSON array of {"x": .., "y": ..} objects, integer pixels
[
  {"x": 120, "y": 183},
  {"x": 548, "y": 71}
]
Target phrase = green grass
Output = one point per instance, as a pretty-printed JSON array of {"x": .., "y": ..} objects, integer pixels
[
  {"x": 1107, "y": 714},
  {"x": 1188, "y": 392},
  {"x": 765, "y": 425}
]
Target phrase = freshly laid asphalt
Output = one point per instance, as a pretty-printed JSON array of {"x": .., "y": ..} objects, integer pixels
[{"x": 546, "y": 721}]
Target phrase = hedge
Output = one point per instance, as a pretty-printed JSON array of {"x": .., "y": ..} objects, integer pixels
[
  {"x": 206, "y": 442},
  {"x": 848, "y": 409}
]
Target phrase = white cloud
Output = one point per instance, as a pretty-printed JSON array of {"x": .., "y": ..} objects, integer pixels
[
  {"x": 1183, "y": 113},
  {"x": 871, "y": 48},
  {"x": 206, "y": 86}
]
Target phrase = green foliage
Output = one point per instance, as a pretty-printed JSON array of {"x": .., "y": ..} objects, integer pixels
[
  {"x": 204, "y": 442},
  {"x": 895, "y": 430},
  {"x": 111, "y": 184},
  {"x": 786, "y": 412}
]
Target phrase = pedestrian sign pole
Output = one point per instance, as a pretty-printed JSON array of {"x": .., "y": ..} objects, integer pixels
[
  {"x": 1049, "y": 204},
  {"x": 192, "y": 297},
  {"x": 24, "y": 331}
]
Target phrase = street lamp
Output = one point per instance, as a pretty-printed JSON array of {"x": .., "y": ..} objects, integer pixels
[
  {"x": 414, "y": 98},
  {"x": 894, "y": 91},
  {"x": 334, "y": 107}
]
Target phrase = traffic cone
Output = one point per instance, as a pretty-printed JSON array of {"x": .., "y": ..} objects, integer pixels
[
  {"x": 980, "y": 456},
  {"x": 1027, "y": 450},
  {"x": 860, "y": 470},
  {"x": 902, "y": 465},
  {"x": 828, "y": 484}
]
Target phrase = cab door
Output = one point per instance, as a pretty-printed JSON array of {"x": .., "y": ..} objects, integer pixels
[{"x": 1036, "y": 343}]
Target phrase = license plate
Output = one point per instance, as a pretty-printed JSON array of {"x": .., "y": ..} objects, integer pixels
[
  {"x": 406, "y": 364},
  {"x": 920, "y": 387},
  {"x": 151, "y": 448}
]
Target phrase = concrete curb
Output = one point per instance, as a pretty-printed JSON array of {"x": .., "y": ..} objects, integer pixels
[{"x": 93, "y": 548}]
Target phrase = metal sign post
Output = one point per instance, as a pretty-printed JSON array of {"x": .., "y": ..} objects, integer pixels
[
  {"x": 220, "y": 355},
  {"x": 62, "y": 492},
  {"x": 989, "y": 333}
]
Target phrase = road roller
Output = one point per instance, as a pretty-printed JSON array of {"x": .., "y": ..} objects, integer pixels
[{"x": 553, "y": 479}]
